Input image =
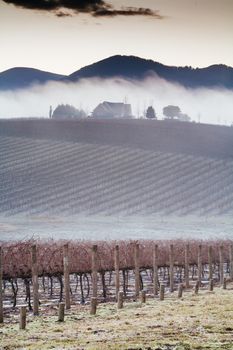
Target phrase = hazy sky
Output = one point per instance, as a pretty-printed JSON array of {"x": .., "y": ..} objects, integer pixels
[{"x": 173, "y": 32}]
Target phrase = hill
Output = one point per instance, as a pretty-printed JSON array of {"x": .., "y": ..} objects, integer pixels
[
  {"x": 106, "y": 169},
  {"x": 20, "y": 77},
  {"x": 131, "y": 67},
  {"x": 127, "y": 67},
  {"x": 155, "y": 135}
]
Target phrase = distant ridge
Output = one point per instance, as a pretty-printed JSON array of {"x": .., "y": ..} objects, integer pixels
[
  {"x": 127, "y": 67},
  {"x": 131, "y": 67},
  {"x": 22, "y": 77}
]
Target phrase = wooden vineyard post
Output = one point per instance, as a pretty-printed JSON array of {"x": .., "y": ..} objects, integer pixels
[
  {"x": 22, "y": 317},
  {"x": 171, "y": 259},
  {"x": 186, "y": 266},
  {"x": 211, "y": 285},
  {"x": 120, "y": 300},
  {"x": 94, "y": 271},
  {"x": 180, "y": 290},
  {"x": 66, "y": 276},
  {"x": 155, "y": 270},
  {"x": 143, "y": 296},
  {"x": 210, "y": 260},
  {"x": 231, "y": 262},
  {"x": 137, "y": 269},
  {"x": 35, "y": 284},
  {"x": 117, "y": 270},
  {"x": 196, "y": 287},
  {"x": 1, "y": 292},
  {"x": 161, "y": 292},
  {"x": 224, "y": 283},
  {"x": 93, "y": 306},
  {"x": 61, "y": 312},
  {"x": 221, "y": 264},
  {"x": 199, "y": 264}
]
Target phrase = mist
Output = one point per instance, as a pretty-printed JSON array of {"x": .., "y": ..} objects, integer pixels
[{"x": 214, "y": 106}]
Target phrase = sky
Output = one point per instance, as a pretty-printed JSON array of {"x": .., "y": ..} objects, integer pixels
[{"x": 64, "y": 35}]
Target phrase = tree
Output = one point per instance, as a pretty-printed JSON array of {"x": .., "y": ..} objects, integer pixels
[
  {"x": 184, "y": 117},
  {"x": 68, "y": 112},
  {"x": 50, "y": 112},
  {"x": 150, "y": 113},
  {"x": 171, "y": 111}
]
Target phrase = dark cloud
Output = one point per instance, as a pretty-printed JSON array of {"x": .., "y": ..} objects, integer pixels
[
  {"x": 96, "y": 8},
  {"x": 63, "y": 14},
  {"x": 127, "y": 11}
]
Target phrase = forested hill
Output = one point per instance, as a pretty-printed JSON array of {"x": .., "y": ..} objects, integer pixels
[
  {"x": 126, "y": 67},
  {"x": 131, "y": 67},
  {"x": 22, "y": 77}
]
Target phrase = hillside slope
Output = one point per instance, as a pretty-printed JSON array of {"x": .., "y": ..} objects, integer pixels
[
  {"x": 164, "y": 136},
  {"x": 60, "y": 177}
]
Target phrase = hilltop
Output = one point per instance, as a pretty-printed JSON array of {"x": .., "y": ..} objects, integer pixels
[{"x": 165, "y": 136}]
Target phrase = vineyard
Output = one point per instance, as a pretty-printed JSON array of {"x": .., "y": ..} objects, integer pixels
[
  {"x": 149, "y": 263},
  {"x": 205, "y": 140},
  {"x": 114, "y": 171},
  {"x": 60, "y": 177}
]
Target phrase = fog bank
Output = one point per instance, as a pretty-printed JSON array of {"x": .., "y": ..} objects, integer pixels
[{"x": 213, "y": 105}]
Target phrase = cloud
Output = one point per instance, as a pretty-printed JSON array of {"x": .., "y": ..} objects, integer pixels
[
  {"x": 96, "y": 8},
  {"x": 63, "y": 14},
  {"x": 127, "y": 11}
]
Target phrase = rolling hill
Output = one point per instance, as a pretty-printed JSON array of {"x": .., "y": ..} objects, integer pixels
[
  {"x": 182, "y": 170},
  {"x": 164, "y": 136},
  {"x": 126, "y": 67},
  {"x": 21, "y": 77},
  {"x": 131, "y": 67}
]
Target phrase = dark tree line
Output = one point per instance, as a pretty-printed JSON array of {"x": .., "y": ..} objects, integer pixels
[
  {"x": 68, "y": 112},
  {"x": 170, "y": 112}
]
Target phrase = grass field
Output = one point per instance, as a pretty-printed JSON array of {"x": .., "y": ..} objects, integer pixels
[{"x": 204, "y": 321}]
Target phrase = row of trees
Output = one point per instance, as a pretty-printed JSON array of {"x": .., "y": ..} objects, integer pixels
[
  {"x": 170, "y": 112},
  {"x": 17, "y": 258},
  {"x": 70, "y": 112}
]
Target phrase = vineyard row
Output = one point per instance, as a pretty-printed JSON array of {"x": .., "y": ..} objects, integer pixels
[
  {"x": 71, "y": 178},
  {"x": 77, "y": 270}
]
